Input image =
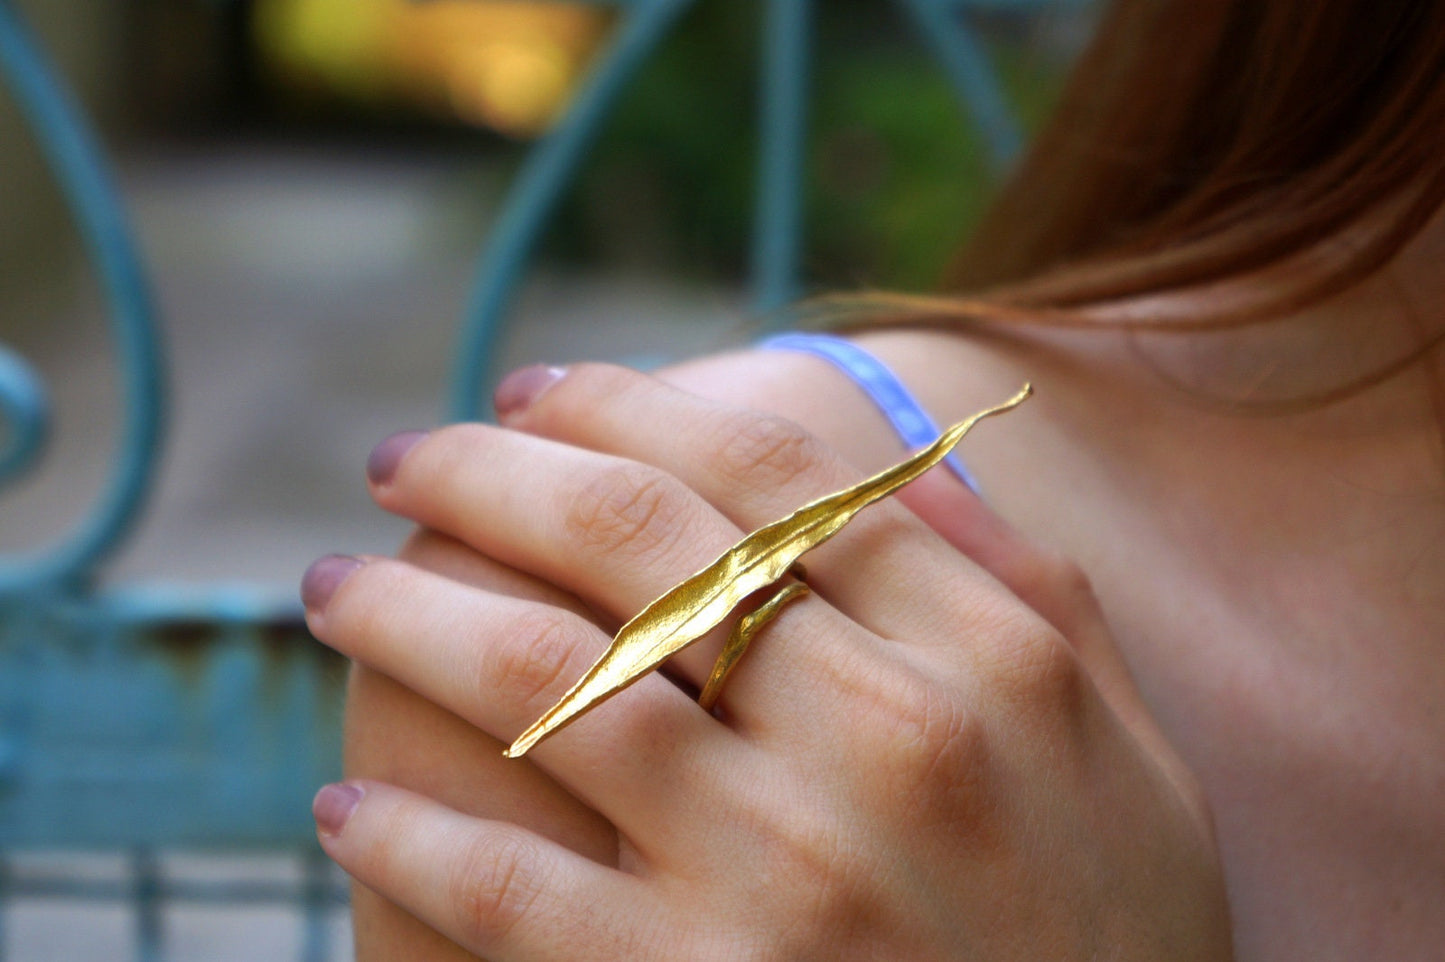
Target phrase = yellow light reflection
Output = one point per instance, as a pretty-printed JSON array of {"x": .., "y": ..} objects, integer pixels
[
  {"x": 508, "y": 64},
  {"x": 514, "y": 87}
]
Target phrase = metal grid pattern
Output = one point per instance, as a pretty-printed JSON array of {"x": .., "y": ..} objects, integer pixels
[{"x": 156, "y": 901}]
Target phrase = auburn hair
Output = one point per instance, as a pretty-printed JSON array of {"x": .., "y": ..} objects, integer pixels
[{"x": 1198, "y": 142}]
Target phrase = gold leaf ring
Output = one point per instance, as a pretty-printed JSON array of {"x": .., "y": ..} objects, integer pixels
[{"x": 692, "y": 608}]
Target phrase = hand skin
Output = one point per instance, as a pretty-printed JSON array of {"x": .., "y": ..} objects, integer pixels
[
  {"x": 986, "y": 784},
  {"x": 396, "y": 736}
]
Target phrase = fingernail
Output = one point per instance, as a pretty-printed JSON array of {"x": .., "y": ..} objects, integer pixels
[
  {"x": 323, "y": 578},
  {"x": 382, "y": 463},
  {"x": 333, "y": 805},
  {"x": 520, "y": 389}
]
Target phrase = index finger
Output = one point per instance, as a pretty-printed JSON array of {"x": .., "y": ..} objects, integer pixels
[{"x": 755, "y": 468}]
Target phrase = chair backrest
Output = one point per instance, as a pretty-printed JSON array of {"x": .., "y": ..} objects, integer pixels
[{"x": 783, "y": 122}]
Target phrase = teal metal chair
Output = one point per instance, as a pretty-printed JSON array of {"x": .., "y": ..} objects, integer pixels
[
  {"x": 143, "y": 717},
  {"x": 782, "y": 132}
]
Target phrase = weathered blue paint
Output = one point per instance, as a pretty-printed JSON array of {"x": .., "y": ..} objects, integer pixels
[{"x": 188, "y": 734}]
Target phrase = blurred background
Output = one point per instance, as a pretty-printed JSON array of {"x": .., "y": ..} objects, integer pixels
[{"x": 310, "y": 183}]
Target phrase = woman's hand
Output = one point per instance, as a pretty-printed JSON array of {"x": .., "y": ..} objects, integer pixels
[
  {"x": 396, "y": 736},
  {"x": 922, "y": 760}
]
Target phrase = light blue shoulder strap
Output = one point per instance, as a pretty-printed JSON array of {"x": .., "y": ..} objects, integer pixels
[{"x": 881, "y": 385}]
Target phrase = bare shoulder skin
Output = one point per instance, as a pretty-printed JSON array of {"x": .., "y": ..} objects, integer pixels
[{"x": 1278, "y": 585}]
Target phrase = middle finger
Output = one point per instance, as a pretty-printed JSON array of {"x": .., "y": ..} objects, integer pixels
[{"x": 615, "y": 533}]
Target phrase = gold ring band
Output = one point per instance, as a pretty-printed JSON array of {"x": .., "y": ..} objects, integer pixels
[{"x": 741, "y": 637}]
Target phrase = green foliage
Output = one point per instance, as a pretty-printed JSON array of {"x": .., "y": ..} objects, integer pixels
[{"x": 896, "y": 175}]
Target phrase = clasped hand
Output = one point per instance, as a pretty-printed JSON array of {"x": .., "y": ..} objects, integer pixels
[{"x": 937, "y": 754}]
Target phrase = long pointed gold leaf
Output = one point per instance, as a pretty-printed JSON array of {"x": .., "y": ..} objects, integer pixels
[{"x": 695, "y": 606}]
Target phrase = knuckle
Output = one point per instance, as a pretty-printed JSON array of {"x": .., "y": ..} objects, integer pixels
[
  {"x": 755, "y": 449},
  {"x": 1078, "y": 609},
  {"x": 645, "y": 720},
  {"x": 831, "y": 877},
  {"x": 933, "y": 748},
  {"x": 1070, "y": 580},
  {"x": 531, "y": 667},
  {"x": 929, "y": 752},
  {"x": 493, "y": 887},
  {"x": 1063, "y": 580},
  {"x": 1060, "y": 581},
  {"x": 626, "y": 507},
  {"x": 1041, "y": 675},
  {"x": 807, "y": 856}
]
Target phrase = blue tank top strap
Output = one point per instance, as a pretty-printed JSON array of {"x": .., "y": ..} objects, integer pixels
[{"x": 880, "y": 384}]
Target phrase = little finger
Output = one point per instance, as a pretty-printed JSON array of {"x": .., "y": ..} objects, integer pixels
[{"x": 504, "y": 893}]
